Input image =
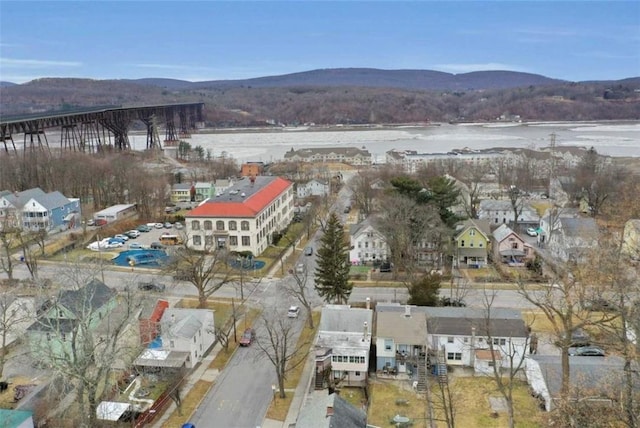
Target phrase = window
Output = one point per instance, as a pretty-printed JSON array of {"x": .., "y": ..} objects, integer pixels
[
  {"x": 195, "y": 225},
  {"x": 197, "y": 240},
  {"x": 352, "y": 359},
  {"x": 357, "y": 373},
  {"x": 233, "y": 240},
  {"x": 172, "y": 344},
  {"x": 208, "y": 225},
  {"x": 491, "y": 363},
  {"x": 497, "y": 341},
  {"x": 208, "y": 240},
  {"x": 456, "y": 356},
  {"x": 462, "y": 242},
  {"x": 246, "y": 241},
  {"x": 387, "y": 344},
  {"x": 244, "y": 225},
  {"x": 449, "y": 339},
  {"x": 514, "y": 245},
  {"x": 219, "y": 225},
  {"x": 472, "y": 232},
  {"x": 233, "y": 225}
]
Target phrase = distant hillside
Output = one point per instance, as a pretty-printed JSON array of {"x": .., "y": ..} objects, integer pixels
[
  {"x": 349, "y": 96},
  {"x": 372, "y": 78},
  {"x": 6, "y": 84}
]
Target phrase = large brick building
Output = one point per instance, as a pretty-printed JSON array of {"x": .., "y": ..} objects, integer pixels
[{"x": 244, "y": 217}]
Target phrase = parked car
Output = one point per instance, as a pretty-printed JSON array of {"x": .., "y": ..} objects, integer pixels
[
  {"x": 293, "y": 312},
  {"x": 532, "y": 232},
  {"x": 135, "y": 245},
  {"x": 91, "y": 222},
  {"x": 100, "y": 222},
  {"x": 247, "y": 337},
  {"x": 308, "y": 251},
  {"x": 121, "y": 236},
  {"x": 156, "y": 246},
  {"x": 385, "y": 267},
  {"x": 143, "y": 228},
  {"x": 151, "y": 286},
  {"x": 300, "y": 268},
  {"x": 347, "y": 209},
  {"x": 579, "y": 338},
  {"x": 116, "y": 239},
  {"x": 586, "y": 351},
  {"x": 158, "y": 225},
  {"x": 133, "y": 234},
  {"x": 178, "y": 225},
  {"x": 168, "y": 225},
  {"x": 600, "y": 305}
]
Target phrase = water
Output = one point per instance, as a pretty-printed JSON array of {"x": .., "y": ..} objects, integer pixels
[
  {"x": 142, "y": 257},
  {"x": 608, "y": 138}
]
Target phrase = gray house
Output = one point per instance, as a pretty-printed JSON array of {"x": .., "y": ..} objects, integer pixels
[{"x": 324, "y": 410}]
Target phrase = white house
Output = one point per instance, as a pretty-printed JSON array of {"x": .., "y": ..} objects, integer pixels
[
  {"x": 367, "y": 244},
  {"x": 346, "y": 332},
  {"x": 455, "y": 334},
  {"x": 313, "y": 188},
  {"x": 573, "y": 238},
  {"x": 244, "y": 217},
  {"x": 500, "y": 211},
  {"x": 188, "y": 330}
]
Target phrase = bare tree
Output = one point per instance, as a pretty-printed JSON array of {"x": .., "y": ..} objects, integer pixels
[
  {"x": 406, "y": 224},
  {"x": 300, "y": 291},
  {"x": 472, "y": 176},
  {"x": 207, "y": 270},
  {"x": 9, "y": 236},
  {"x": 517, "y": 204},
  {"x": 562, "y": 305},
  {"x": 83, "y": 334},
  {"x": 15, "y": 312},
  {"x": 363, "y": 191},
  {"x": 279, "y": 346},
  {"x": 506, "y": 348}
]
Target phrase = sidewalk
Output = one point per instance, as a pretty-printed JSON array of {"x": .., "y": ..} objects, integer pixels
[
  {"x": 299, "y": 398},
  {"x": 202, "y": 372}
]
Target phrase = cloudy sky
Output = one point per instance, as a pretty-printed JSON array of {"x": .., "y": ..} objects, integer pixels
[{"x": 211, "y": 40}]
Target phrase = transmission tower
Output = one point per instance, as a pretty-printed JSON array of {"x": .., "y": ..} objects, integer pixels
[{"x": 552, "y": 161}]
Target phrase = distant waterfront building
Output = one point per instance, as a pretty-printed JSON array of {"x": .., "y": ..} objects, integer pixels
[
  {"x": 349, "y": 155},
  {"x": 411, "y": 161}
]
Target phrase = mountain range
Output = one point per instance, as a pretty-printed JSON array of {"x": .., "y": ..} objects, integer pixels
[{"x": 345, "y": 95}]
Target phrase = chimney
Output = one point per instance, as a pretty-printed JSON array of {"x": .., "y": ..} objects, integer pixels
[
  {"x": 366, "y": 331},
  {"x": 329, "y": 411},
  {"x": 368, "y": 300},
  {"x": 407, "y": 311}
]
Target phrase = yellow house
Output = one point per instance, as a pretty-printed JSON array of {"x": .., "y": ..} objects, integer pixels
[
  {"x": 472, "y": 243},
  {"x": 181, "y": 192}
]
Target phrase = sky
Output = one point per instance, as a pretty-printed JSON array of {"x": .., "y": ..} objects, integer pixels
[{"x": 212, "y": 40}]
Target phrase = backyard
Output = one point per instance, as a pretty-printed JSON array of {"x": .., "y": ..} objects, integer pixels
[{"x": 389, "y": 398}]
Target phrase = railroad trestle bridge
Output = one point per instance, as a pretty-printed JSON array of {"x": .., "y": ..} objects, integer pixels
[{"x": 101, "y": 128}]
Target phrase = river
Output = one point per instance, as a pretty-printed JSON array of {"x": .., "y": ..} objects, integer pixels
[{"x": 608, "y": 138}]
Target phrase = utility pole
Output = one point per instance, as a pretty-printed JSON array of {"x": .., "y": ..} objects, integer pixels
[{"x": 552, "y": 163}]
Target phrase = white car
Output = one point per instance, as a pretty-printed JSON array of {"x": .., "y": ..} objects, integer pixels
[
  {"x": 159, "y": 226},
  {"x": 532, "y": 232},
  {"x": 293, "y": 312},
  {"x": 123, "y": 237}
]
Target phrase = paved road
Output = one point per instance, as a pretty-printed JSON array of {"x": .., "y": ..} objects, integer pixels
[{"x": 474, "y": 298}]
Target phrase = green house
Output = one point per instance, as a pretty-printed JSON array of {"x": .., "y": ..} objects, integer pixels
[
  {"x": 471, "y": 246},
  {"x": 63, "y": 322}
]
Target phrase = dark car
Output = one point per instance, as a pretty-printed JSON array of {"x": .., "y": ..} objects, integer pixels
[
  {"x": 586, "y": 351},
  {"x": 308, "y": 251},
  {"x": 247, "y": 337},
  {"x": 579, "y": 338},
  {"x": 143, "y": 228},
  {"x": 151, "y": 286},
  {"x": 385, "y": 267}
]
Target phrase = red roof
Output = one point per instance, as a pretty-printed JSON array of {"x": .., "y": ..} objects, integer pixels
[{"x": 249, "y": 207}]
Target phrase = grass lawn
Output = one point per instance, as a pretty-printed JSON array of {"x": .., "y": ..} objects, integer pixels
[
  {"x": 189, "y": 404},
  {"x": 471, "y": 401}
]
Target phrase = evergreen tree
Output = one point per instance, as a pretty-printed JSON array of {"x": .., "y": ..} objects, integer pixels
[{"x": 332, "y": 273}]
